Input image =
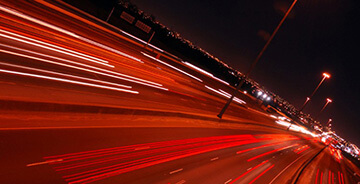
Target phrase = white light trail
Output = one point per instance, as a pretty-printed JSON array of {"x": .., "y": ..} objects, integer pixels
[
  {"x": 204, "y": 72},
  {"x": 72, "y": 62},
  {"x": 89, "y": 70},
  {"x": 235, "y": 98},
  {"x": 110, "y": 49},
  {"x": 52, "y": 49},
  {"x": 67, "y": 81},
  {"x": 225, "y": 95},
  {"x": 29, "y": 18},
  {"x": 142, "y": 41},
  {"x": 52, "y": 45},
  {"x": 162, "y": 62},
  {"x": 65, "y": 75},
  {"x": 295, "y": 128},
  {"x": 19, "y": 14}
]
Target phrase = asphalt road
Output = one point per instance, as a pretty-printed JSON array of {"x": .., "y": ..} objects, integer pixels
[
  {"x": 150, "y": 155},
  {"x": 52, "y": 54}
]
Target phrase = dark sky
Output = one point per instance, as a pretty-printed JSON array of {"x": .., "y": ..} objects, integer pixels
[{"x": 319, "y": 36}]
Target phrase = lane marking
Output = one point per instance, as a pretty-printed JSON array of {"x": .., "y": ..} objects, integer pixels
[
  {"x": 178, "y": 170},
  {"x": 249, "y": 168},
  {"x": 46, "y": 162},
  {"x": 257, "y": 177},
  {"x": 239, "y": 177},
  {"x": 213, "y": 159},
  {"x": 287, "y": 167}
]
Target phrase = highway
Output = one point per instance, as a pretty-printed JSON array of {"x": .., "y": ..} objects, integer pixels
[{"x": 84, "y": 102}]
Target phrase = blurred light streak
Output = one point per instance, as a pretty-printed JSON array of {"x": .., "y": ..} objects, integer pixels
[
  {"x": 321, "y": 177},
  {"x": 46, "y": 162},
  {"x": 262, "y": 146},
  {"x": 342, "y": 178},
  {"x": 225, "y": 95},
  {"x": 145, "y": 82},
  {"x": 152, "y": 145},
  {"x": 205, "y": 72},
  {"x": 287, "y": 168},
  {"x": 191, "y": 96},
  {"x": 300, "y": 148},
  {"x": 155, "y": 150},
  {"x": 303, "y": 150},
  {"x": 295, "y": 128},
  {"x": 162, "y": 62},
  {"x": 67, "y": 81},
  {"x": 142, "y": 41},
  {"x": 66, "y": 75},
  {"x": 257, "y": 177},
  {"x": 235, "y": 98},
  {"x": 50, "y": 45},
  {"x": 53, "y": 49},
  {"x": 273, "y": 151},
  {"x": 154, "y": 161},
  {"x": 29, "y": 18},
  {"x": 68, "y": 50},
  {"x": 143, "y": 153},
  {"x": 110, "y": 49},
  {"x": 236, "y": 179},
  {"x": 19, "y": 14},
  {"x": 156, "y": 153}
]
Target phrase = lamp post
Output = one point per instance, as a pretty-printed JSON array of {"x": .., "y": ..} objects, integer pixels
[
  {"x": 326, "y": 76},
  {"x": 328, "y": 100},
  {"x": 243, "y": 79}
]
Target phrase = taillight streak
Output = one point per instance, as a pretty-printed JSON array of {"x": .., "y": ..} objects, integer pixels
[
  {"x": 273, "y": 151},
  {"x": 262, "y": 146},
  {"x": 236, "y": 179},
  {"x": 166, "y": 158},
  {"x": 262, "y": 173},
  {"x": 150, "y": 145},
  {"x": 170, "y": 66},
  {"x": 139, "y": 154}
]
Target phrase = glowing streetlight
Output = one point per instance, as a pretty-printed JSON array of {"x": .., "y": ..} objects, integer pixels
[
  {"x": 326, "y": 76},
  {"x": 328, "y": 100},
  {"x": 241, "y": 82},
  {"x": 327, "y": 124}
]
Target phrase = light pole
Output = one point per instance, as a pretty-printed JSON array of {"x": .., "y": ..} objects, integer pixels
[
  {"x": 326, "y": 76},
  {"x": 111, "y": 12},
  {"x": 328, "y": 100},
  {"x": 241, "y": 82}
]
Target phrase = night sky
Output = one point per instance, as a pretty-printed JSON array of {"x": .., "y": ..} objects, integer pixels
[{"x": 318, "y": 36}]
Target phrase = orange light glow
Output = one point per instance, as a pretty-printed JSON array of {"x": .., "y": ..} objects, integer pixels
[
  {"x": 328, "y": 100},
  {"x": 326, "y": 75}
]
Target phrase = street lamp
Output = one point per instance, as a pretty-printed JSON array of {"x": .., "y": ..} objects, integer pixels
[
  {"x": 326, "y": 76},
  {"x": 327, "y": 124},
  {"x": 328, "y": 100},
  {"x": 241, "y": 82}
]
